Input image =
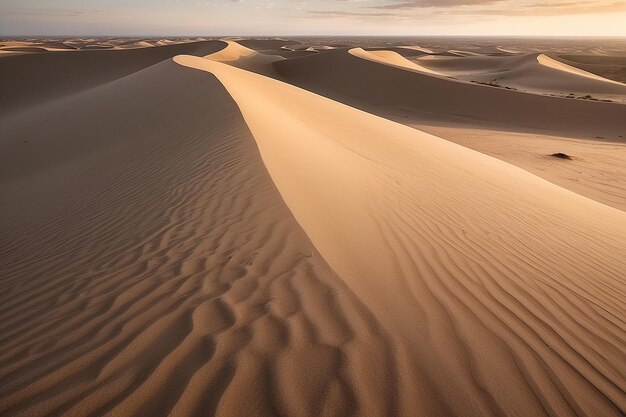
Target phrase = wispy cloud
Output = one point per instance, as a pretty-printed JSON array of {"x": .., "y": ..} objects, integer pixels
[
  {"x": 546, "y": 9},
  {"x": 420, "y": 4}
]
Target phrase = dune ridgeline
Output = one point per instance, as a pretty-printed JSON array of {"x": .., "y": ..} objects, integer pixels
[{"x": 208, "y": 229}]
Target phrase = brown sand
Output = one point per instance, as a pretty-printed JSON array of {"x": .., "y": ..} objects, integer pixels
[
  {"x": 612, "y": 67},
  {"x": 168, "y": 275},
  {"x": 22, "y": 82},
  {"x": 241, "y": 57},
  {"x": 537, "y": 73},
  {"x": 196, "y": 239},
  {"x": 595, "y": 170},
  {"x": 361, "y": 82}
]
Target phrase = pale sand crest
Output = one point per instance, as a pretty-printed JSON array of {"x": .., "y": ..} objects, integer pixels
[
  {"x": 168, "y": 276},
  {"x": 196, "y": 239},
  {"x": 365, "y": 83}
]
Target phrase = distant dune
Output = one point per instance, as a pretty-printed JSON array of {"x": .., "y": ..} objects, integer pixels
[
  {"x": 68, "y": 72},
  {"x": 366, "y": 83},
  {"x": 536, "y": 73},
  {"x": 241, "y": 57},
  {"x": 231, "y": 228},
  {"x": 613, "y": 67}
]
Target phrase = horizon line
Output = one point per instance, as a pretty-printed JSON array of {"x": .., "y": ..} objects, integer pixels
[{"x": 311, "y": 35}]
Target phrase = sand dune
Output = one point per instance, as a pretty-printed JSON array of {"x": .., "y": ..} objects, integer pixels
[
  {"x": 552, "y": 63},
  {"x": 181, "y": 283},
  {"x": 419, "y": 49},
  {"x": 348, "y": 78},
  {"x": 183, "y": 236},
  {"x": 612, "y": 67},
  {"x": 266, "y": 44},
  {"x": 241, "y": 57},
  {"x": 455, "y": 66},
  {"x": 595, "y": 169},
  {"x": 405, "y": 52},
  {"x": 536, "y": 73},
  {"x": 387, "y": 206},
  {"x": 391, "y": 58},
  {"x": 22, "y": 83}
]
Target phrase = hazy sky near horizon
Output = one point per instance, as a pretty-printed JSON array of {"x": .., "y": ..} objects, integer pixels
[{"x": 322, "y": 17}]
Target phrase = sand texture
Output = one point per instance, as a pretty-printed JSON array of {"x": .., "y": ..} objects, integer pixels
[{"x": 271, "y": 227}]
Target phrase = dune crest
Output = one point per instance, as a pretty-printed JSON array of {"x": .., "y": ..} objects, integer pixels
[
  {"x": 348, "y": 79},
  {"x": 536, "y": 73},
  {"x": 469, "y": 263},
  {"x": 239, "y": 56},
  {"x": 543, "y": 59},
  {"x": 70, "y": 72},
  {"x": 182, "y": 285},
  {"x": 391, "y": 58},
  {"x": 197, "y": 234}
]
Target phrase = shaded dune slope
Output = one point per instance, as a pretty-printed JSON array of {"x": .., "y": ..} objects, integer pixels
[
  {"x": 453, "y": 66},
  {"x": 363, "y": 83},
  {"x": 391, "y": 58},
  {"x": 184, "y": 242},
  {"x": 267, "y": 44},
  {"x": 502, "y": 292},
  {"x": 241, "y": 57},
  {"x": 534, "y": 72},
  {"x": 33, "y": 79},
  {"x": 612, "y": 67},
  {"x": 150, "y": 267},
  {"x": 406, "y": 51}
]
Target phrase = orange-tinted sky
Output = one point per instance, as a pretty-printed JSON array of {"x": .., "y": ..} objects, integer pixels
[{"x": 290, "y": 17}]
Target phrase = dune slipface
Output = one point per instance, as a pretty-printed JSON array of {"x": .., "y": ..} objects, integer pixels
[
  {"x": 461, "y": 299},
  {"x": 377, "y": 85},
  {"x": 187, "y": 236},
  {"x": 150, "y": 267},
  {"x": 22, "y": 83}
]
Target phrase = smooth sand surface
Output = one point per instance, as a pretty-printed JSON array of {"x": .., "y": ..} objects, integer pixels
[
  {"x": 537, "y": 73},
  {"x": 167, "y": 275},
  {"x": 23, "y": 84},
  {"x": 545, "y": 60},
  {"x": 198, "y": 237},
  {"x": 239, "y": 56},
  {"x": 398, "y": 194},
  {"x": 364, "y": 83},
  {"x": 391, "y": 58},
  {"x": 612, "y": 67},
  {"x": 595, "y": 170}
]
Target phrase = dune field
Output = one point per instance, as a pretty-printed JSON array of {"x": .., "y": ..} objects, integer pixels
[{"x": 312, "y": 227}]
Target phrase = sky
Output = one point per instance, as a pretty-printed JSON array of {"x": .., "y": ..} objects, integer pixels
[{"x": 322, "y": 17}]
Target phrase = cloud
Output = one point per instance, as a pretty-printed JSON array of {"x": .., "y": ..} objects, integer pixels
[
  {"x": 345, "y": 13},
  {"x": 473, "y": 8},
  {"x": 420, "y": 4},
  {"x": 547, "y": 9}
]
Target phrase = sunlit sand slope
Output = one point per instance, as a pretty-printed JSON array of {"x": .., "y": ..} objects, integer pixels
[
  {"x": 241, "y": 57},
  {"x": 536, "y": 73},
  {"x": 391, "y": 58},
  {"x": 150, "y": 267},
  {"x": 502, "y": 293},
  {"x": 32, "y": 79},
  {"x": 190, "y": 238},
  {"x": 364, "y": 83}
]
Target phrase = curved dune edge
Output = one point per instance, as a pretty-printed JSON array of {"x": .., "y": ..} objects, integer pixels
[
  {"x": 393, "y": 59},
  {"x": 418, "y": 48},
  {"x": 535, "y": 73},
  {"x": 520, "y": 75},
  {"x": 245, "y": 58},
  {"x": 553, "y": 63},
  {"x": 70, "y": 72},
  {"x": 153, "y": 269},
  {"x": 501, "y": 290},
  {"x": 349, "y": 79}
]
